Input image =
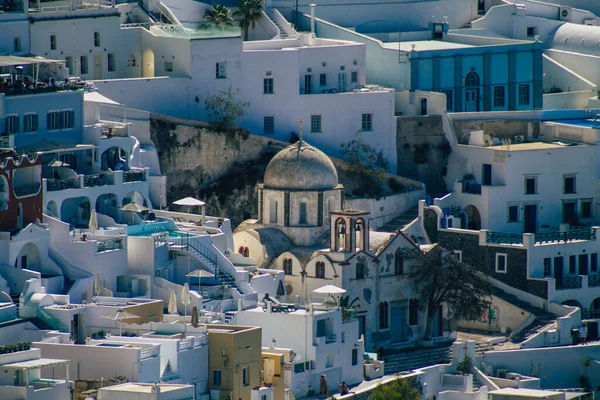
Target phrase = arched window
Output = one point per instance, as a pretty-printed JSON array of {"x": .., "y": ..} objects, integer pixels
[
  {"x": 384, "y": 322},
  {"x": 472, "y": 79},
  {"x": 398, "y": 263},
  {"x": 246, "y": 252},
  {"x": 241, "y": 250},
  {"x": 360, "y": 234},
  {"x": 360, "y": 270},
  {"x": 340, "y": 235},
  {"x": 287, "y": 266},
  {"x": 273, "y": 211},
  {"x": 320, "y": 270}
]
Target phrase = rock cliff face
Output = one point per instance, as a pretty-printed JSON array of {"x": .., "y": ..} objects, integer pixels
[
  {"x": 220, "y": 168},
  {"x": 224, "y": 168}
]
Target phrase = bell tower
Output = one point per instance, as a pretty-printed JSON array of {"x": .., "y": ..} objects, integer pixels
[{"x": 349, "y": 231}]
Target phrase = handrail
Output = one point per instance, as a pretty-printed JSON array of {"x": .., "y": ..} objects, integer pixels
[
  {"x": 504, "y": 238},
  {"x": 190, "y": 242},
  {"x": 52, "y": 321},
  {"x": 566, "y": 236}
]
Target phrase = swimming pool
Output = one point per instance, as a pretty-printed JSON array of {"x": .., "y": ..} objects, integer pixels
[
  {"x": 588, "y": 123},
  {"x": 172, "y": 234}
]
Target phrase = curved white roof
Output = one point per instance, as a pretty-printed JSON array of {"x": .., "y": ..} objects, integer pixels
[{"x": 577, "y": 38}]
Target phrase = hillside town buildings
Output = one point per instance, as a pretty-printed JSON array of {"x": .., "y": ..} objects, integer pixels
[{"x": 114, "y": 287}]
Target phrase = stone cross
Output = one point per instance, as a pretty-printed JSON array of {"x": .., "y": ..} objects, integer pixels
[{"x": 300, "y": 140}]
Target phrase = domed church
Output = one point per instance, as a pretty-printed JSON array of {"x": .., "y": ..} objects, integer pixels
[{"x": 304, "y": 230}]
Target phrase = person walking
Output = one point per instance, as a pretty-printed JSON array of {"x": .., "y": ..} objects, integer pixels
[
  {"x": 583, "y": 334},
  {"x": 323, "y": 385}
]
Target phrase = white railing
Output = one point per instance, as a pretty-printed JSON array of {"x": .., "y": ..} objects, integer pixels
[{"x": 148, "y": 352}]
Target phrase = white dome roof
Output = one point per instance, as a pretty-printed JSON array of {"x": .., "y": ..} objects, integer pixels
[
  {"x": 301, "y": 167},
  {"x": 577, "y": 38}
]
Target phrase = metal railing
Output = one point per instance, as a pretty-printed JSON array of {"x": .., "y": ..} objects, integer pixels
[
  {"x": 134, "y": 176},
  {"x": 331, "y": 338},
  {"x": 572, "y": 282},
  {"x": 593, "y": 280},
  {"x": 590, "y": 313},
  {"x": 54, "y": 185},
  {"x": 471, "y": 188},
  {"x": 194, "y": 244},
  {"x": 26, "y": 188},
  {"x": 111, "y": 244},
  {"x": 98, "y": 180},
  {"x": 566, "y": 236},
  {"x": 504, "y": 238}
]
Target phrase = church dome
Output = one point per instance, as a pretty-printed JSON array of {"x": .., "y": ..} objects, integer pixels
[{"x": 301, "y": 167}]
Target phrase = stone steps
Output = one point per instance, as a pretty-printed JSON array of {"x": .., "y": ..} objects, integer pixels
[
  {"x": 401, "y": 221},
  {"x": 411, "y": 359}
]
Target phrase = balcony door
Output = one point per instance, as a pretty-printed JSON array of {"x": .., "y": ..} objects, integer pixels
[
  {"x": 398, "y": 322},
  {"x": 530, "y": 218},
  {"x": 307, "y": 84},
  {"x": 558, "y": 268}
]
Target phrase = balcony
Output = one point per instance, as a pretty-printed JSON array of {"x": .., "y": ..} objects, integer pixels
[
  {"x": 504, "y": 238},
  {"x": 584, "y": 234},
  {"x": 18, "y": 89},
  {"x": 112, "y": 129},
  {"x": 572, "y": 282},
  {"x": 331, "y": 338},
  {"x": 26, "y": 188},
  {"x": 471, "y": 188},
  {"x": 98, "y": 180},
  {"x": 53, "y": 185},
  {"x": 593, "y": 280},
  {"x": 134, "y": 175}
]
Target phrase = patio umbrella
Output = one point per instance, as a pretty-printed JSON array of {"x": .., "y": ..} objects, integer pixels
[
  {"x": 120, "y": 315},
  {"x": 93, "y": 224},
  {"x": 200, "y": 273},
  {"x": 135, "y": 207},
  {"x": 57, "y": 164},
  {"x": 189, "y": 202},
  {"x": 97, "y": 284},
  {"x": 329, "y": 289},
  {"x": 195, "y": 318},
  {"x": 172, "y": 306},
  {"x": 185, "y": 297}
]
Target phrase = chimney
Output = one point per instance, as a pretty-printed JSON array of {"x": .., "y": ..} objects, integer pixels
[
  {"x": 312, "y": 18},
  {"x": 239, "y": 305}
]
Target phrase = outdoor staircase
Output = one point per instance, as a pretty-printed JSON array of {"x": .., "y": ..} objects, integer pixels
[
  {"x": 401, "y": 221},
  {"x": 282, "y": 33},
  {"x": 410, "y": 359},
  {"x": 209, "y": 259},
  {"x": 542, "y": 318}
]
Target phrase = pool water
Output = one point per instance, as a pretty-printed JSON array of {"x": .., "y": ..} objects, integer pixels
[
  {"x": 588, "y": 123},
  {"x": 172, "y": 234}
]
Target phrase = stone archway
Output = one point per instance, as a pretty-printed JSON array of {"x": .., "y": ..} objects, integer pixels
[
  {"x": 29, "y": 257},
  {"x": 572, "y": 303},
  {"x": 473, "y": 218},
  {"x": 52, "y": 209}
]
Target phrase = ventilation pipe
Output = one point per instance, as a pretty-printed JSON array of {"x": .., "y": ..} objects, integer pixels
[{"x": 312, "y": 18}]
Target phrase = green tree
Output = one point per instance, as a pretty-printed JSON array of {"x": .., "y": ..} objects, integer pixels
[
  {"x": 465, "y": 367},
  {"x": 218, "y": 15},
  {"x": 367, "y": 168},
  {"x": 400, "y": 389},
  {"x": 224, "y": 110},
  {"x": 250, "y": 11},
  {"x": 440, "y": 278}
]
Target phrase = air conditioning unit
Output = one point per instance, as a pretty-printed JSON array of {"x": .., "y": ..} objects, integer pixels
[
  {"x": 590, "y": 22},
  {"x": 501, "y": 373},
  {"x": 564, "y": 13},
  {"x": 519, "y": 139}
]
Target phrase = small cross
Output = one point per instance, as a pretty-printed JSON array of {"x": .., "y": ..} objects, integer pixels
[{"x": 300, "y": 141}]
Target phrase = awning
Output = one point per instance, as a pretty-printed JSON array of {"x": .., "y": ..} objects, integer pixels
[
  {"x": 95, "y": 97},
  {"x": 46, "y": 146},
  {"x": 35, "y": 364},
  {"x": 7, "y": 61}
]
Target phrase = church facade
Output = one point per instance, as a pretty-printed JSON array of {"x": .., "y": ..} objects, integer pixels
[{"x": 304, "y": 230}]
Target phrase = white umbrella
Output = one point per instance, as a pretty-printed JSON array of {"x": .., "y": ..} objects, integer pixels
[
  {"x": 93, "y": 223},
  {"x": 329, "y": 289},
  {"x": 135, "y": 207},
  {"x": 172, "y": 306},
  {"x": 185, "y": 297},
  {"x": 120, "y": 315},
  {"x": 189, "y": 202},
  {"x": 199, "y": 273}
]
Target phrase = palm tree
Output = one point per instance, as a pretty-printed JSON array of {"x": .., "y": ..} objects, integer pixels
[
  {"x": 218, "y": 15},
  {"x": 250, "y": 11}
]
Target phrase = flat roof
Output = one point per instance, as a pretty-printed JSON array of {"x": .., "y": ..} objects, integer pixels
[
  {"x": 426, "y": 45},
  {"x": 536, "y": 146},
  {"x": 525, "y": 392},
  {"x": 35, "y": 364},
  {"x": 144, "y": 388}
]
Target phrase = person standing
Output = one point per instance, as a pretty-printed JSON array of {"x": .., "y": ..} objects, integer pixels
[
  {"x": 323, "y": 385},
  {"x": 583, "y": 334}
]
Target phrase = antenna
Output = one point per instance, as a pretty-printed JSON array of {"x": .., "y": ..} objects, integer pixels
[{"x": 300, "y": 136}]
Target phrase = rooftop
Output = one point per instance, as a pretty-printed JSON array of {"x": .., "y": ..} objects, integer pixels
[
  {"x": 35, "y": 364},
  {"x": 533, "y": 146},
  {"x": 422, "y": 45},
  {"x": 145, "y": 387},
  {"x": 537, "y": 393}
]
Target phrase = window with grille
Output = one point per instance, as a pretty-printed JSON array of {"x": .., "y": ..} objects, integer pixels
[
  {"x": 498, "y": 96},
  {"x": 66, "y": 119},
  {"x": 11, "y": 124},
  {"x": 53, "y": 120},
  {"x": 523, "y": 95},
  {"x": 83, "y": 61},
  {"x": 320, "y": 270},
  {"x": 269, "y": 125},
  {"x": 354, "y": 77},
  {"x": 367, "y": 122},
  {"x": 96, "y": 39},
  {"x": 449, "y": 102},
  {"x": 287, "y": 266},
  {"x": 52, "y": 42},
  {"x": 111, "y": 62},
  {"x": 323, "y": 80},
  {"x": 315, "y": 124}
]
